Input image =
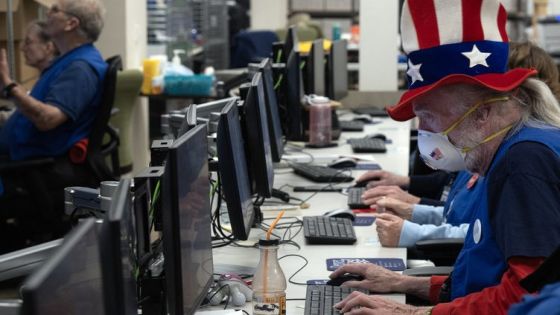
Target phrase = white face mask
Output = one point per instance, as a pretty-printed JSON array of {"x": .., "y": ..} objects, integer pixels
[{"x": 439, "y": 153}]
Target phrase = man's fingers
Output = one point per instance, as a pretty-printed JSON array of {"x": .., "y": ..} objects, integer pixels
[{"x": 358, "y": 269}]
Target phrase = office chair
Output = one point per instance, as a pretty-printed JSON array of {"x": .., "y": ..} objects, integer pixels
[
  {"x": 129, "y": 82},
  {"x": 442, "y": 252},
  {"x": 251, "y": 46},
  {"x": 33, "y": 211}
]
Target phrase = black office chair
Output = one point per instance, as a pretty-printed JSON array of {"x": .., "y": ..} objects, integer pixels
[
  {"x": 442, "y": 252},
  {"x": 34, "y": 211}
]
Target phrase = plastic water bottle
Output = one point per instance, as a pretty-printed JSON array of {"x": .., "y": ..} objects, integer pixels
[{"x": 269, "y": 282}]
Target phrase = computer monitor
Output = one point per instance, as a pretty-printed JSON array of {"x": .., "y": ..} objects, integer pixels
[
  {"x": 337, "y": 70},
  {"x": 293, "y": 96},
  {"x": 273, "y": 114},
  {"x": 118, "y": 241},
  {"x": 204, "y": 110},
  {"x": 234, "y": 176},
  {"x": 187, "y": 244},
  {"x": 70, "y": 281},
  {"x": 290, "y": 43},
  {"x": 258, "y": 139},
  {"x": 315, "y": 69},
  {"x": 189, "y": 121}
]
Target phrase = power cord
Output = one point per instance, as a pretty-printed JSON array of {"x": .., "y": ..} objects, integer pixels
[{"x": 297, "y": 271}]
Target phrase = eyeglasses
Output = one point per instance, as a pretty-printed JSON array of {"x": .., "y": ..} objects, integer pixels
[{"x": 54, "y": 9}]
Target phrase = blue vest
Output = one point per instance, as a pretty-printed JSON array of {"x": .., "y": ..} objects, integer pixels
[
  {"x": 481, "y": 263},
  {"x": 24, "y": 140},
  {"x": 462, "y": 199}
]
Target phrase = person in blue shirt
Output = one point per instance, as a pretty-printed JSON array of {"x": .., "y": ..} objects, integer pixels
[{"x": 61, "y": 107}]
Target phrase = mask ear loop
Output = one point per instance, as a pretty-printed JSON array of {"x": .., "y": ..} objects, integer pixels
[{"x": 472, "y": 109}]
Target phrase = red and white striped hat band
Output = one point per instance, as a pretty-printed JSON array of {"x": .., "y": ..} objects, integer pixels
[{"x": 454, "y": 41}]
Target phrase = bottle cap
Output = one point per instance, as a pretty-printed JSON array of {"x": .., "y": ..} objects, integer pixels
[{"x": 270, "y": 242}]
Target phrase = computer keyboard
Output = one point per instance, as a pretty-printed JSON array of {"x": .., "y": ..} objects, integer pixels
[
  {"x": 319, "y": 299},
  {"x": 367, "y": 145},
  {"x": 320, "y": 174},
  {"x": 328, "y": 230},
  {"x": 372, "y": 111},
  {"x": 352, "y": 125},
  {"x": 355, "y": 198}
]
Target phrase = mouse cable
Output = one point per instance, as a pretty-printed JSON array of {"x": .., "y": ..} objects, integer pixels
[{"x": 297, "y": 271}]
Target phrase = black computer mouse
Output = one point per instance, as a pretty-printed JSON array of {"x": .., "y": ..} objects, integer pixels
[
  {"x": 345, "y": 277},
  {"x": 345, "y": 162},
  {"x": 379, "y": 136},
  {"x": 341, "y": 213}
]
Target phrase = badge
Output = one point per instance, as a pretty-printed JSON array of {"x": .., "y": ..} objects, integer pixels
[
  {"x": 472, "y": 181},
  {"x": 477, "y": 231}
]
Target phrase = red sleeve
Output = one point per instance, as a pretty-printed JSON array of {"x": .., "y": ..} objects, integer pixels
[
  {"x": 496, "y": 299},
  {"x": 435, "y": 287}
]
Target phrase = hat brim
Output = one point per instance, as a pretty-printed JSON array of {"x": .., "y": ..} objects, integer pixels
[{"x": 501, "y": 82}]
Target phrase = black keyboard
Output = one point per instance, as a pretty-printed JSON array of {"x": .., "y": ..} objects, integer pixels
[
  {"x": 328, "y": 230},
  {"x": 355, "y": 198},
  {"x": 372, "y": 111},
  {"x": 320, "y": 174},
  {"x": 319, "y": 299},
  {"x": 352, "y": 125},
  {"x": 367, "y": 145}
]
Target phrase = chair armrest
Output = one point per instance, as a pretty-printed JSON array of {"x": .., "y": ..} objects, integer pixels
[
  {"x": 12, "y": 166},
  {"x": 443, "y": 244},
  {"x": 428, "y": 271}
]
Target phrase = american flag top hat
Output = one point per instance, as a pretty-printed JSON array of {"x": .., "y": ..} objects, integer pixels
[{"x": 454, "y": 41}]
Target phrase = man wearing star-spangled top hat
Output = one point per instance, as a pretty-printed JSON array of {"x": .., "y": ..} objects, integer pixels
[{"x": 476, "y": 115}]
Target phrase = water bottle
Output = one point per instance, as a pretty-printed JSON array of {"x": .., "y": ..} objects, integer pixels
[
  {"x": 320, "y": 121},
  {"x": 269, "y": 282}
]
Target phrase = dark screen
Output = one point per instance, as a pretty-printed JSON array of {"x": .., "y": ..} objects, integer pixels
[
  {"x": 274, "y": 124},
  {"x": 290, "y": 43},
  {"x": 234, "y": 175},
  {"x": 316, "y": 68},
  {"x": 70, "y": 281},
  {"x": 258, "y": 139},
  {"x": 293, "y": 92},
  {"x": 118, "y": 255},
  {"x": 186, "y": 222},
  {"x": 339, "y": 69}
]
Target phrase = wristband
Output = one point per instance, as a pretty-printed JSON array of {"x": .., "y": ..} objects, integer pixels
[{"x": 7, "y": 91}]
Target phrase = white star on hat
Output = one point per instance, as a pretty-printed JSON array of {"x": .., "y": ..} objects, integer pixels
[
  {"x": 476, "y": 57},
  {"x": 414, "y": 72}
]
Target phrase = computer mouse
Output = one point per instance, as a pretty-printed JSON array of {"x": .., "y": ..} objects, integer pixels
[
  {"x": 345, "y": 277},
  {"x": 345, "y": 162},
  {"x": 379, "y": 136},
  {"x": 341, "y": 213},
  {"x": 363, "y": 118}
]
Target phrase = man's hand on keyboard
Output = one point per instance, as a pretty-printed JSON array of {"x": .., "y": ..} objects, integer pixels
[
  {"x": 393, "y": 206},
  {"x": 376, "y": 278},
  {"x": 371, "y": 196},
  {"x": 360, "y": 303},
  {"x": 389, "y": 229},
  {"x": 383, "y": 178}
]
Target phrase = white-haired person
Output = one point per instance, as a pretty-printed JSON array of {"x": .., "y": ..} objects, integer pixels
[{"x": 477, "y": 115}]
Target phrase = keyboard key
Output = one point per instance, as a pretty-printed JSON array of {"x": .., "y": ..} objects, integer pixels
[
  {"x": 319, "y": 299},
  {"x": 320, "y": 174}
]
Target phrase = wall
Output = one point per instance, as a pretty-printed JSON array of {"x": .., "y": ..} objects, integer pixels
[
  {"x": 378, "y": 45},
  {"x": 125, "y": 34},
  {"x": 269, "y": 14}
]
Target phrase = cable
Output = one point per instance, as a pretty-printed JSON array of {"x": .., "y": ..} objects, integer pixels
[{"x": 297, "y": 271}]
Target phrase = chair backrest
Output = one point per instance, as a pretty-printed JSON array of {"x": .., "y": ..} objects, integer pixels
[
  {"x": 97, "y": 151},
  {"x": 129, "y": 82},
  {"x": 251, "y": 46}
]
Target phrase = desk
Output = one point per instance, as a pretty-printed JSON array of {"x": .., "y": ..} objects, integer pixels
[{"x": 396, "y": 160}]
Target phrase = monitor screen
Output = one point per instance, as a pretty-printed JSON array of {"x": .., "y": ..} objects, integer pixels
[
  {"x": 204, "y": 110},
  {"x": 258, "y": 139},
  {"x": 187, "y": 244},
  {"x": 70, "y": 281},
  {"x": 189, "y": 121},
  {"x": 338, "y": 70},
  {"x": 315, "y": 69},
  {"x": 273, "y": 114},
  {"x": 118, "y": 253},
  {"x": 234, "y": 176}
]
